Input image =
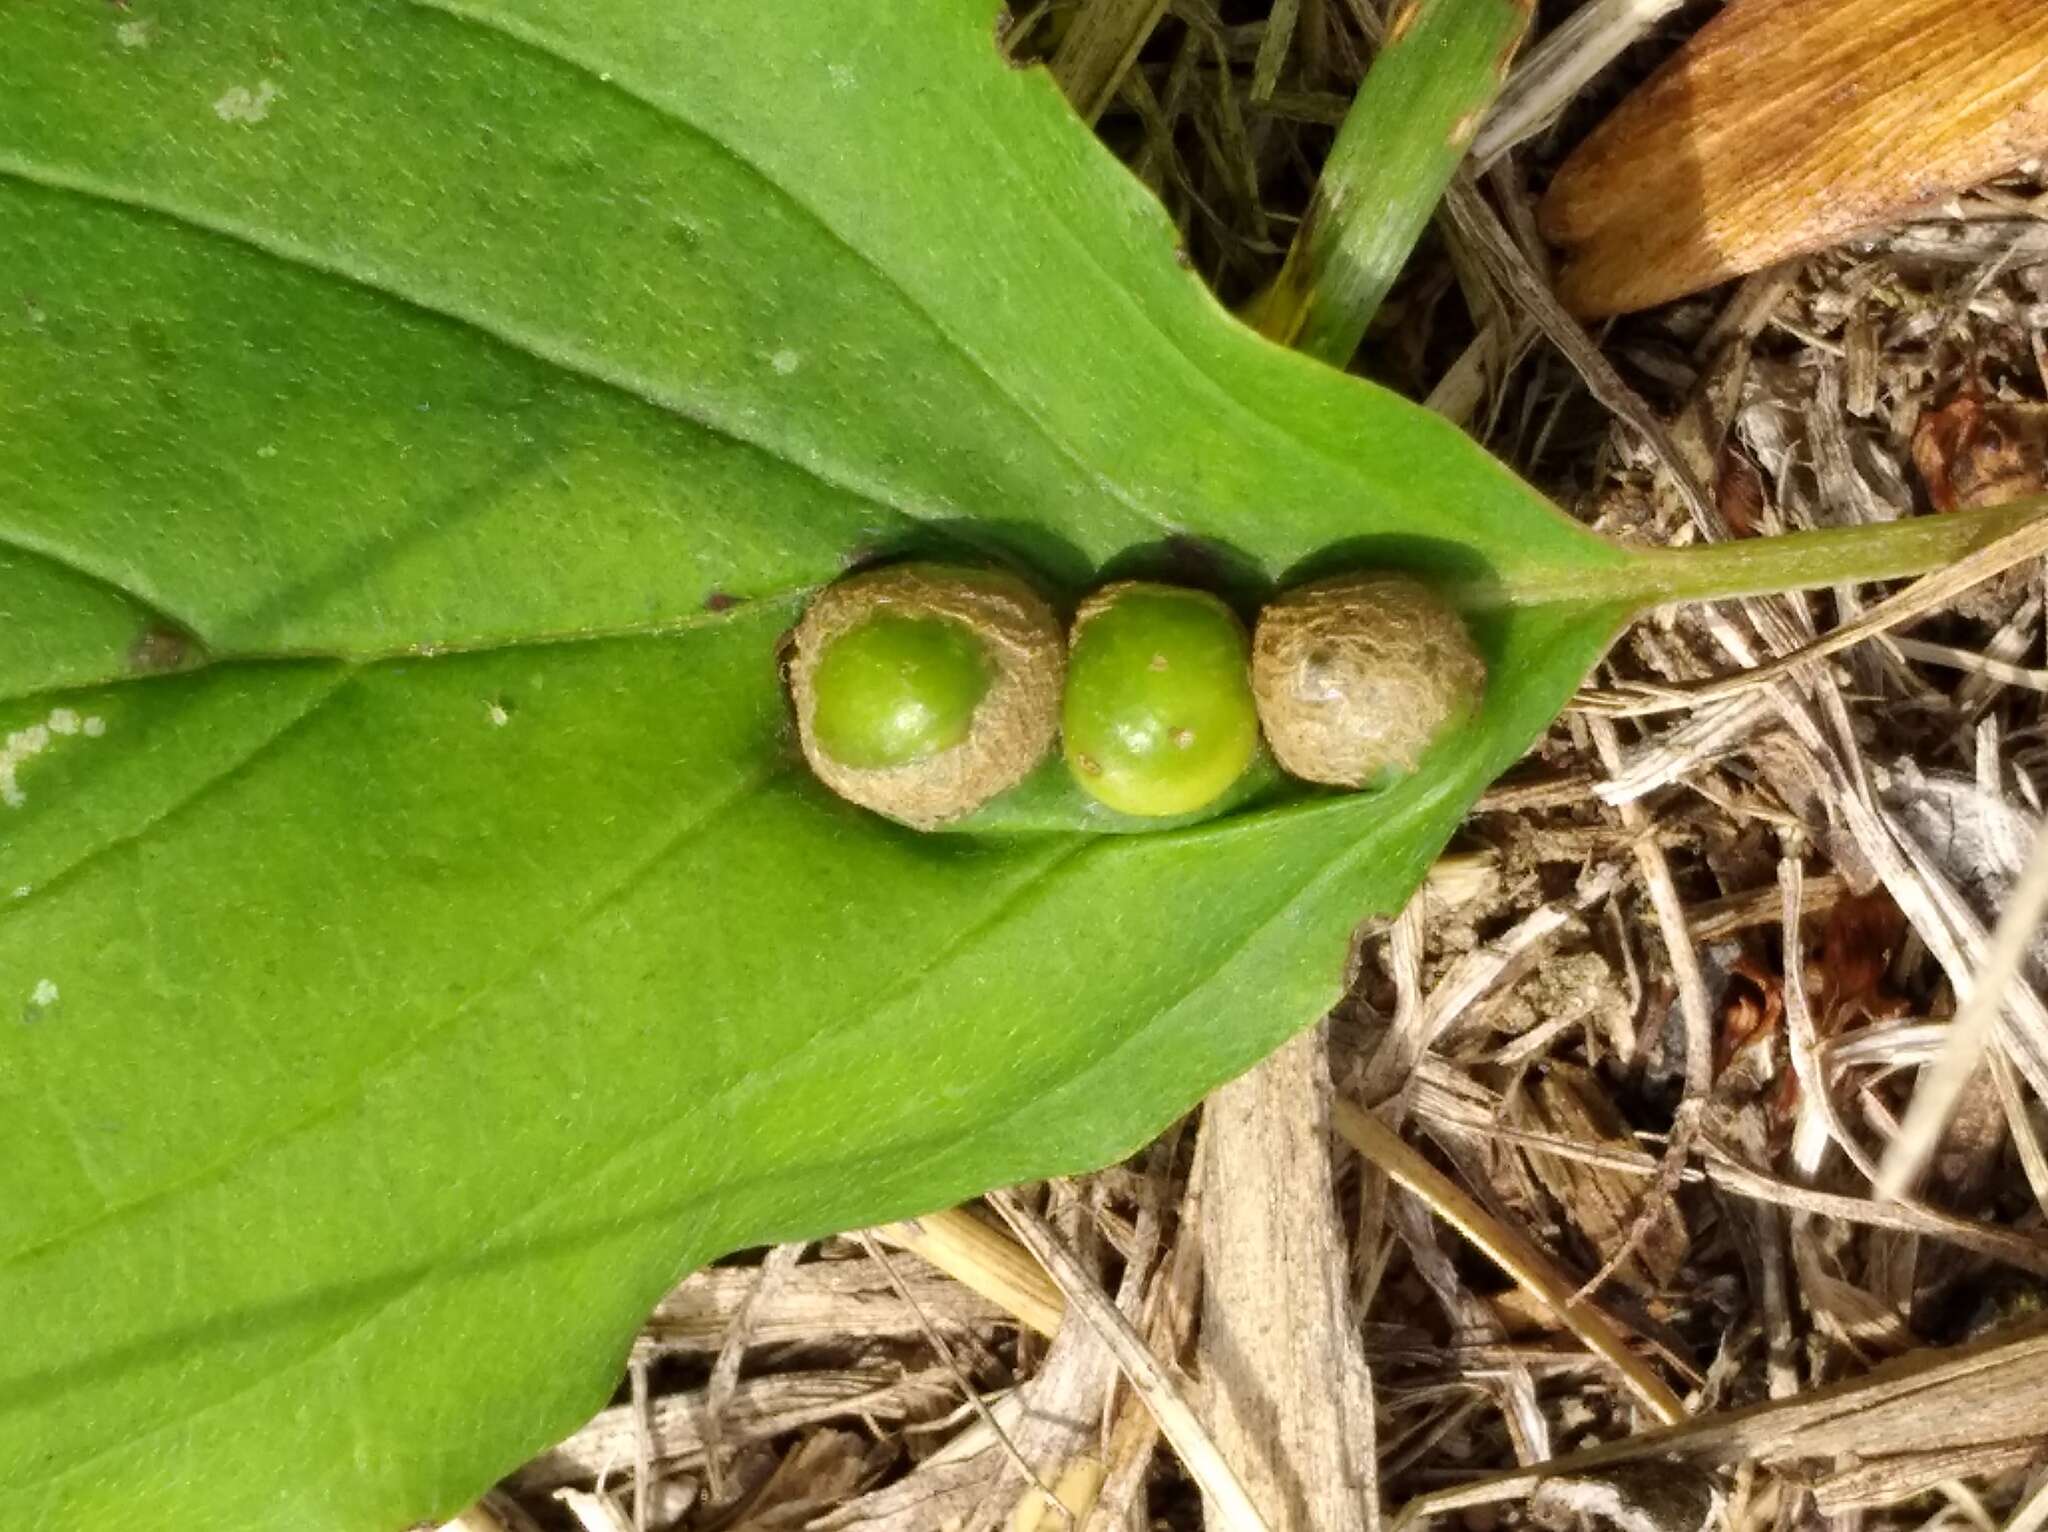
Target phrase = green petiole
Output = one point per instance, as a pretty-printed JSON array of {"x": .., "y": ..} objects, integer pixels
[{"x": 1757, "y": 566}]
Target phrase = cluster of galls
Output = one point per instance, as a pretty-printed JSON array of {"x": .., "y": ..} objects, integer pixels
[{"x": 924, "y": 690}]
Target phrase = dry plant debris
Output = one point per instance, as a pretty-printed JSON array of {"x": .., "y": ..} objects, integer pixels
[
  {"x": 1276, "y": 1306},
  {"x": 1628, "y": 1069}
]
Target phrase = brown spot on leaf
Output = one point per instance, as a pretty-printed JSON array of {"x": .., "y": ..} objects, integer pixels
[
  {"x": 1403, "y": 22},
  {"x": 160, "y": 649}
]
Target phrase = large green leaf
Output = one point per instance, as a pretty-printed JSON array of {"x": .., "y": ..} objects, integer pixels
[{"x": 418, "y": 941}]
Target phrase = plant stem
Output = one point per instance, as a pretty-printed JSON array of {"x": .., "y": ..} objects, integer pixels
[
  {"x": 1759, "y": 566},
  {"x": 1756, "y": 566},
  {"x": 1437, "y": 72}
]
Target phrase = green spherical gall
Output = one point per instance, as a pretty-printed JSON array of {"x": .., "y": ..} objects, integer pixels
[
  {"x": 1158, "y": 717},
  {"x": 921, "y": 690},
  {"x": 897, "y": 689},
  {"x": 1356, "y": 676}
]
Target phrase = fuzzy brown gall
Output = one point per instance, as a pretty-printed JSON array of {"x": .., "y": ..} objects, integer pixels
[
  {"x": 1014, "y": 724},
  {"x": 1356, "y": 676}
]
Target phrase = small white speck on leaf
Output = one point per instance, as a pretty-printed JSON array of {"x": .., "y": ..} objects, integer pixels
[
  {"x": 785, "y": 362},
  {"x": 20, "y": 746},
  {"x": 134, "y": 34},
  {"x": 24, "y": 891},
  {"x": 246, "y": 104},
  {"x": 841, "y": 76},
  {"x": 44, "y": 995},
  {"x": 266, "y": 451},
  {"x": 498, "y": 716}
]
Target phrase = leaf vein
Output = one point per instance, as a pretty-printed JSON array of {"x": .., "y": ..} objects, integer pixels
[
  {"x": 365, "y": 279},
  {"x": 666, "y": 843},
  {"x": 560, "y": 50},
  {"x": 198, "y": 793},
  {"x": 123, "y": 585}
]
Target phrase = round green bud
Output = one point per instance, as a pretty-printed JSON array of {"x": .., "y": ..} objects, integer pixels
[
  {"x": 1356, "y": 676},
  {"x": 897, "y": 689},
  {"x": 1158, "y": 717},
  {"x": 921, "y": 690}
]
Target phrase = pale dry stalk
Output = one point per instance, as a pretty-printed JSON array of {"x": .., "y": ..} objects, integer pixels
[
  {"x": 1512, "y": 1251},
  {"x": 1285, "y": 1381},
  {"x": 1971, "y": 1033},
  {"x": 985, "y": 1261}
]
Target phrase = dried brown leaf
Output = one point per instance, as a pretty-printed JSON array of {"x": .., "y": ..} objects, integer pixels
[
  {"x": 1784, "y": 125},
  {"x": 1977, "y": 451}
]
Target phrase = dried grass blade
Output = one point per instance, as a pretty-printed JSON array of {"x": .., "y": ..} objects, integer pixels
[
  {"x": 1930, "y": 1401},
  {"x": 984, "y": 1261},
  {"x": 1935, "y": 1097},
  {"x": 1099, "y": 49},
  {"x": 1163, "y": 1394},
  {"x": 1561, "y": 66},
  {"x": 1508, "y": 1249}
]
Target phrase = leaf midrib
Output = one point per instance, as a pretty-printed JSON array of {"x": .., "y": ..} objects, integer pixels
[{"x": 538, "y": 348}]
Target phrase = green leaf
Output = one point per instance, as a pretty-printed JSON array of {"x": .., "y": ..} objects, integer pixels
[
  {"x": 1438, "y": 68},
  {"x": 419, "y": 942}
]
